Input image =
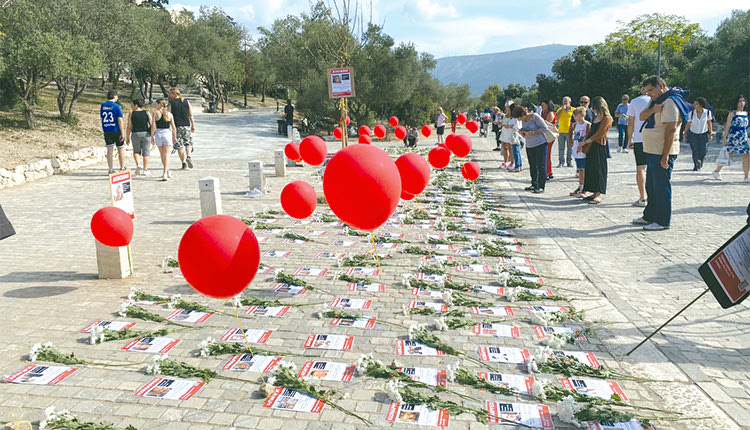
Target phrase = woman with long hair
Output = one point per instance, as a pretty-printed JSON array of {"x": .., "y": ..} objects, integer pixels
[
  {"x": 549, "y": 115},
  {"x": 138, "y": 132},
  {"x": 164, "y": 135},
  {"x": 735, "y": 137},
  {"x": 536, "y": 146},
  {"x": 595, "y": 148}
]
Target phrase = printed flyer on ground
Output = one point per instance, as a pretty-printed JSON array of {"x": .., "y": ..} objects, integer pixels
[
  {"x": 166, "y": 388},
  {"x": 416, "y": 414},
  {"x": 502, "y": 354},
  {"x": 344, "y": 243},
  {"x": 252, "y": 363},
  {"x": 185, "y": 316},
  {"x": 433, "y": 277},
  {"x": 336, "y": 342},
  {"x": 270, "y": 311},
  {"x": 427, "y": 375},
  {"x": 367, "y": 288},
  {"x": 545, "y": 309},
  {"x": 327, "y": 371},
  {"x": 587, "y": 358},
  {"x": 40, "y": 375},
  {"x": 531, "y": 270},
  {"x": 152, "y": 345},
  {"x": 595, "y": 387},
  {"x": 518, "y": 383},
  {"x": 234, "y": 335},
  {"x": 505, "y": 311},
  {"x": 544, "y": 331},
  {"x": 364, "y": 322},
  {"x": 497, "y": 330},
  {"x": 426, "y": 293},
  {"x": 289, "y": 289},
  {"x": 535, "y": 291},
  {"x": 289, "y": 400},
  {"x": 362, "y": 271},
  {"x": 480, "y": 268},
  {"x": 277, "y": 254},
  {"x": 108, "y": 325},
  {"x": 515, "y": 260},
  {"x": 346, "y": 303},
  {"x": 409, "y": 347},
  {"x": 537, "y": 416},
  {"x": 490, "y": 289},
  {"x": 332, "y": 255},
  {"x": 309, "y": 271},
  {"x": 435, "y": 306}
]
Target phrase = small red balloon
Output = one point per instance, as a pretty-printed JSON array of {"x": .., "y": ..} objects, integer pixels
[
  {"x": 439, "y": 157},
  {"x": 367, "y": 140},
  {"x": 219, "y": 256},
  {"x": 449, "y": 137},
  {"x": 364, "y": 130},
  {"x": 379, "y": 131},
  {"x": 472, "y": 126},
  {"x": 298, "y": 199},
  {"x": 426, "y": 130},
  {"x": 400, "y": 132},
  {"x": 348, "y": 120},
  {"x": 313, "y": 150},
  {"x": 406, "y": 196},
  {"x": 291, "y": 150},
  {"x": 460, "y": 145},
  {"x": 414, "y": 171},
  {"x": 461, "y": 118},
  {"x": 393, "y": 121},
  {"x": 470, "y": 170},
  {"x": 337, "y": 133},
  {"x": 112, "y": 226}
]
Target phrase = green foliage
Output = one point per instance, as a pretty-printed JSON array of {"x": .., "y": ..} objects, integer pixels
[
  {"x": 179, "y": 369},
  {"x": 360, "y": 260},
  {"x": 70, "y": 422},
  {"x": 257, "y": 301},
  {"x": 191, "y": 306},
  {"x": 291, "y": 280},
  {"x": 138, "y": 312},
  {"x": 110, "y": 335},
  {"x": 354, "y": 279},
  {"x": 634, "y": 36},
  {"x": 295, "y": 236}
]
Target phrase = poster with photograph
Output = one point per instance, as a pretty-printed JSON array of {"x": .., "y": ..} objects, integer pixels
[
  {"x": 633, "y": 424},
  {"x": 534, "y": 279},
  {"x": 412, "y": 348},
  {"x": 388, "y": 235},
  {"x": 477, "y": 268},
  {"x": 535, "y": 291},
  {"x": 438, "y": 246},
  {"x": 433, "y": 277},
  {"x": 427, "y": 375},
  {"x": 252, "y": 363},
  {"x": 235, "y": 335},
  {"x": 272, "y": 231},
  {"x": 544, "y": 331},
  {"x": 427, "y": 226},
  {"x": 327, "y": 371},
  {"x": 276, "y": 254},
  {"x": 265, "y": 270},
  {"x": 501, "y": 354},
  {"x": 344, "y": 243},
  {"x": 341, "y": 83},
  {"x": 587, "y": 358},
  {"x": 426, "y": 293},
  {"x": 289, "y": 289},
  {"x": 170, "y": 388},
  {"x": 523, "y": 261},
  {"x": 416, "y": 414},
  {"x": 309, "y": 271},
  {"x": 362, "y": 271},
  {"x": 531, "y": 270},
  {"x": 336, "y": 342},
  {"x": 185, "y": 316},
  {"x": 367, "y": 288},
  {"x": 440, "y": 258},
  {"x": 467, "y": 252},
  {"x": 363, "y": 322},
  {"x": 727, "y": 271},
  {"x": 40, "y": 375},
  {"x": 354, "y": 304},
  {"x": 506, "y": 240},
  {"x": 295, "y": 241},
  {"x": 121, "y": 191},
  {"x": 331, "y": 255},
  {"x": 151, "y": 345},
  {"x": 315, "y": 232},
  {"x": 545, "y": 309},
  {"x": 517, "y": 383},
  {"x": 498, "y": 311},
  {"x": 108, "y": 325},
  {"x": 530, "y": 415},
  {"x": 600, "y": 388},
  {"x": 267, "y": 311},
  {"x": 386, "y": 245},
  {"x": 287, "y": 399},
  {"x": 489, "y": 289},
  {"x": 497, "y": 330},
  {"x": 435, "y": 306}
]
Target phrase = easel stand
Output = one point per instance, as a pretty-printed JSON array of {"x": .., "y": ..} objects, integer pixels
[{"x": 114, "y": 262}]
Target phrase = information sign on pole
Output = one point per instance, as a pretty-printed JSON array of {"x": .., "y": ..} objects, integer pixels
[
  {"x": 121, "y": 191},
  {"x": 340, "y": 83}
]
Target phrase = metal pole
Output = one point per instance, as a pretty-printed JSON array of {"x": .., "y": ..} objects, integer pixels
[{"x": 658, "y": 57}]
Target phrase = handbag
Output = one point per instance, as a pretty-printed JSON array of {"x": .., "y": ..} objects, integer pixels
[{"x": 550, "y": 135}]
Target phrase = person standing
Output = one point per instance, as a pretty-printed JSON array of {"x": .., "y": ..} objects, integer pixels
[
  {"x": 440, "y": 125},
  {"x": 595, "y": 175},
  {"x": 288, "y": 116},
  {"x": 139, "y": 134},
  {"x": 621, "y": 113},
  {"x": 661, "y": 144},
  {"x": 454, "y": 120},
  {"x": 497, "y": 127},
  {"x": 185, "y": 124},
  {"x": 564, "y": 121},
  {"x": 164, "y": 135},
  {"x": 698, "y": 131},
  {"x": 536, "y": 147},
  {"x": 577, "y": 133},
  {"x": 735, "y": 137},
  {"x": 112, "y": 126},
  {"x": 548, "y": 114},
  {"x": 638, "y": 105}
]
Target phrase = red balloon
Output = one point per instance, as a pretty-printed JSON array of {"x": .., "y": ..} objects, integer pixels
[
  {"x": 291, "y": 150},
  {"x": 460, "y": 145},
  {"x": 298, "y": 199},
  {"x": 362, "y": 186},
  {"x": 112, "y": 226},
  {"x": 439, "y": 157},
  {"x": 348, "y": 120},
  {"x": 364, "y": 130},
  {"x": 406, "y": 196},
  {"x": 461, "y": 118},
  {"x": 472, "y": 126},
  {"x": 449, "y": 137},
  {"x": 313, "y": 150},
  {"x": 219, "y": 256},
  {"x": 414, "y": 171},
  {"x": 400, "y": 132},
  {"x": 443, "y": 145},
  {"x": 379, "y": 131},
  {"x": 470, "y": 170},
  {"x": 426, "y": 130},
  {"x": 367, "y": 140},
  {"x": 337, "y": 133},
  {"x": 393, "y": 121}
]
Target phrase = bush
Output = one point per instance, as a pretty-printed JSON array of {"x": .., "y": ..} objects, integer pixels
[{"x": 9, "y": 95}]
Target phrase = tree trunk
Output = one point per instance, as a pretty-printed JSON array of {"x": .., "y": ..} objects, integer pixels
[
  {"x": 62, "y": 96},
  {"x": 151, "y": 90},
  {"x": 77, "y": 91},
  {"x": 263, "y": 92},
  {"x": 163, "y": 90},
  {"x": 28, "y": 115}
]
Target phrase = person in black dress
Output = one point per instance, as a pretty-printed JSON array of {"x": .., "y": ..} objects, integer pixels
[{"x": 595, "y": 148}]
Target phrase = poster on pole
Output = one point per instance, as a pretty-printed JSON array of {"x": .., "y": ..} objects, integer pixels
[
  {"x": 121, "y": 191},
  {"x": 340, "y": 83},
  {"x": 727, "y": 271}
]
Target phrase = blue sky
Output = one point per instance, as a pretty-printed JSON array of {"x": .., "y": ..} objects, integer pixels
[{"x": 458, "y": 27}]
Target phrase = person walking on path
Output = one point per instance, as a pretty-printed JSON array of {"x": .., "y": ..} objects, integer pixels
[
  {"x": 139, "y": 134},
  {"x": 548, "y": 114},
  {"x": 595, "y": 176},
  {"x": 536, "y": 146},
  {"x": 440, "y": 125},
  {"x": 564, "y": 122},
  {"x": 164, "y": 135},
  {"x": 735, "y": 137},
  {"x": 621, "y": 113},
  {"x": 454, "y": 120},
  {"x": 577, "y": 133},
  {"x": 661, "y": 144},
  {"x": 113, "y": 128},
  {"x": 497, "y": 127},
  {"x": 288, "y": 116},
  {"x": 183, "y": 119},
  {"x": 698, "y": 131},
  {"x": 638, "y": 105}
]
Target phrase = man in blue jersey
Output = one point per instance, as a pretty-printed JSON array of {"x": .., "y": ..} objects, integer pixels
[{"x": 112, "y": 125}]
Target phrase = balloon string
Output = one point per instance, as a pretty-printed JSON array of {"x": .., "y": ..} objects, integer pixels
[
  {"x": 374, "y": 253},
  {"x": 244, "y": 336}
]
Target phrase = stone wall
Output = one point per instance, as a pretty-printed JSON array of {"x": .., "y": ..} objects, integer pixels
[{"x": 62, "y": 163}]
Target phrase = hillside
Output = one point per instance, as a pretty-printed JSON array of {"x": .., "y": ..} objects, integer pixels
[{"x": 503, "y": 68}]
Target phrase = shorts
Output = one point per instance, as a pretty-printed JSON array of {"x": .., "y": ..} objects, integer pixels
[
  {"x": 580, "y": 163},
  {"x": 163, "y": 137},
  {"x": 141, "y": 143},
  {"x": 640, "y": 156},
  {"x": 440, "y": 130},
  {"x": 113, "y": 138},
  {"x": 184, "y": 137}
]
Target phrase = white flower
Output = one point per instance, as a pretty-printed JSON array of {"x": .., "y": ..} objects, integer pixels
[
  {"x": 51, "y": 416},
  {"x": 448, "y": 297},
  {"x": 567, "y": 409},
  {"x": 405, "y": 309},
  {"x": 155, "y": 367},
  {"x": 555, "y": 341},
  {"x": 34, "y": 352},
  {"x": 363, "y": 363},
  {"x": 391, "y": 391},
  {"x": 405, "y": 279},
  {"x": 414, "y": 328},
  {"x": 440, "y": 324},
  {"x": 97, "y": 334},
  {"x": 537, "y": 389},
  {"x": 237, "y": 301},
  {"x": 531, "y": 365},
  {"x": 512, "y": 294},
  {"x": 319, "y": 313},
  {"x": 205, "y": 345},
  {"x": 540, "y": 318},
  {"x": 173, "y": 300},
  {"x": 450, "y": 371},
  {"x": 133, "y": 292},
  {"x": 123, "y": 309},
  {"x": 286, "y": 365},
  {"x": 503, "y": 278}
]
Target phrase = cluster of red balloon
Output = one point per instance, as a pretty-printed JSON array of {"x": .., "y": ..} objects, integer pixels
[
  {"x": 461, "y": 118},
  {"x": 313, "y": 150},
  {"x": 472, "y": 126},
  {"x": 112, "y": 226},
  {"x": 415, "y": 174}
]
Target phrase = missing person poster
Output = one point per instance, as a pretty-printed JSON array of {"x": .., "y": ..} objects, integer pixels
[
  {"x": 121, "y": 191},
  {"x": 497, "y": 330},
  {"x": 108, "y": 325},
  {"x": 289, "y": 289},
  {"x": 346, "y": 303},
  {"x": 501, "y": 354},
  {"x": 529, "y": 415},
  {"x": 362, "y": 271},
  {"x": 237, "y": 335},
  {"x": 427, "y": 375},
  {"x": 40, "y": 375},
  {"x": 270, "y": 311},
  {"x": 410, "y": 347},
  {"x": 367, "y": 288},
  {"x": 435, "y": 306},
  {"x": 544, "y": 331},
  {"x": 340, "y": 83},
  {"x": 327, "y": 371},
  {"x": 169, "y": 388},
  {"x": 517, "y": 383},
  {"x": 185, "y": 316},
  {"x": 595, "y": 388},
  {"x": 252, "y": 363},
  {"x": 151, "y": 345},
  {"x": 416, "y": 414},
  {"x": 727, "y": 271},
  {"x": 336, "y": 342},
  {"x": 290, "y": 400},
  {"x": 363, "y": 322},
  {"x": 505, "y": 311}
]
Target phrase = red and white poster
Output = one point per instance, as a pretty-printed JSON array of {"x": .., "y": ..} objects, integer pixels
[
  {"x": 505, "y": 311},
  {"x": 252, "y": 363},
  {"x": 435, "y": 306},
  {"x": 490, "y": 289},
  {"x": 478, "y": 268},
  {"x": 727, "y": 271},
  {"x": 270, "y": 311},
  {"x": 40, "y": 375},
  {"x": 468, "y": 252},
  {"x": 289, "y": 289},
  {"x": 121, "y": 191},
  {"x": 530, "y": 415},
  {"x": 276, "y": 254},
  {"x": 367, "y": 288},
  {"x": 362, "y": 271},
  {"x": 544, "y": 331},
  {"x": 315, "y": 232},
  {"x": 427, "y": 375},
  {"x": 439, "y": 246},
  {"x": 535, "y": 291},
  {"x": 235, "y": 335},
  {"x": 432, "y": 277},
  {"x": 411, "y": 348},
  {"x": 344, "y": 243},
  {"x": 168, "y": 388},
  {"x": 346, "y": 303},
  {"x": 518, "y": 383},
  {"x": 364, "y": 322},
  {"x": 309, "y": 271},
  {"x": 340, "y": 83},
  {"x": 416, "y": 414},
  {"x": 497, "y": 330},
  {"x": 515, "y": 260},
  {"x": 295, "y": 241},
  {"x": 108, "y": 325},
  {"x": 287, "y": 399},
  {"x": 327, "y": 371},
  {"x": 426, "y": 293},
  {"x": 151, "y": 345},
  {"x": 587, "y": 358},
  {"x": 531, "y": 270},
  {"x": 536, "y": 309},
  {"x": 336, "y": 342},
  {"x": 502, "y": 354},
  {"x": 185, "y": 316},
  {"x": 331, "y": 255},
  {"x": 440, "y": 258},
  {"x": 595, "y": 388}
]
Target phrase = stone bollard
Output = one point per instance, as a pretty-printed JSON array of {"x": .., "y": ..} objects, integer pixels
[
  {"x": 210, "y": 196},
  {"x": 114, "y": 262},
  {"x": 279, "y": 162},
  {"x": 256, "y": 176}
]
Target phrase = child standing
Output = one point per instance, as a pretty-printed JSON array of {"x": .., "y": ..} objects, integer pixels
[{"x": 577, "y": 133}]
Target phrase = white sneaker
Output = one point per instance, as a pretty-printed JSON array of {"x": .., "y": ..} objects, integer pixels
[
  {"x": 145, "y": 172},
  {"x": 746, "y": 180},
  {"x": 641, "y": 221},
  {"x": 619, "y": 149},
  {"x": 640, "y": 203},
  {"x": 717, "y": 175},
  {"x": 164, "y": 177},
  {"x": 169, "y": 173},
  {"x": 625, "y": 150},
  {"x": 654, "y": 227}
]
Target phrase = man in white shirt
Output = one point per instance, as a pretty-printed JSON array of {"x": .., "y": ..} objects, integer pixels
[{"x": 636, "y": 143}]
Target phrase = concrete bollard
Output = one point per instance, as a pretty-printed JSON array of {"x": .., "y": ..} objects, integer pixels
[
  {"x": 113, "y": 262},
  {"x": 256, "y": 177},
  {"x": 279, "y": 162},
  {"x": 210, "y": 189}
]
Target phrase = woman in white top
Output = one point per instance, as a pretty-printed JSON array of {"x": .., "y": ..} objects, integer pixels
[
  {"x": 698, "y": 131},
  {"x": 440, "y": 125}
]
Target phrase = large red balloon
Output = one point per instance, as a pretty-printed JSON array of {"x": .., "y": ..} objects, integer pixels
[
  {"x": 367, "y": 140},
  {"x": 362, "y": 186},
  {"x": 298, "y": 199},
  {"x": 406, "y": 196},
  {"x": 393, "y": 121},
  {"x": 364, "y": 130},
  {"x": 379, "y": 131},
  {"x": 472, "y": 126},
  {"x": 449, "y": 137},
  {"x": 439, "y": 157},
  {"x": 291, "y": 150},
  {"x": 313, "y": 150},
  {"x": 112, "y": 226},
  {"x": 400, "y": 132},
  {"x": 470, "y": 170},
  {"x": 461, "y": 118},
  {"x": 426, "y": 130},
  {"x": 414, "y": 171},
  {"x": 219, "y": 256},
  {"x": 460, "y": 145},
  {"x": 337, "y": 133}
]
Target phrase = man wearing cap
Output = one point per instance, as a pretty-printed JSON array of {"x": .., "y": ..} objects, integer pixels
[{"x": 112, "y": 126}]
